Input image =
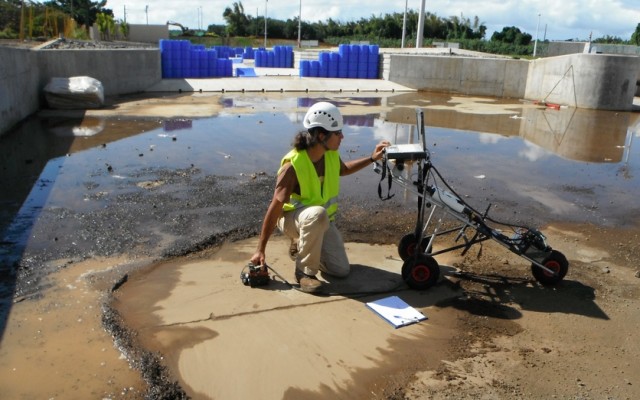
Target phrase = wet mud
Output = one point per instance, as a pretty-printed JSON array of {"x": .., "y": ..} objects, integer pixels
[{"x": 154, "y": 211}]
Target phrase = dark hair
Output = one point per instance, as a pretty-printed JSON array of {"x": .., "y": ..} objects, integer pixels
[{"x": 306, "y": 139}]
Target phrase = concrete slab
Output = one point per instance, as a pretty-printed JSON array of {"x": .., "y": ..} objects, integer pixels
[
  {"x": 245, "y": 72},
  {"x": 276, "y": 83},
  {"x": 275, "y": 80},
  {"x": 224, "y": 340}
]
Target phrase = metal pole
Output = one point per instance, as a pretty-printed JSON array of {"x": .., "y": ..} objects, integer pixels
[
  {"x": 420, "y": 38},
  {"x": 265, "y": 23},
  {"x": 146, "y": 11},
  {"x": 300, "y": 25},
  {"x": 535, "y": 44},
  {"x": 404, "y": 23},
  {"x": 21, "y": 36}
]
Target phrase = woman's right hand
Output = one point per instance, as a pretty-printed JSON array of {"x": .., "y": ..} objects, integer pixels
[{"x": 258, "y": 258}]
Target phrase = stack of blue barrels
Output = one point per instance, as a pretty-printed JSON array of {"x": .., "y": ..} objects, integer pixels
[
  {"x": 351, "y": 61},
  {"x": 279, "y": 57},
  {"x": 248, "y": 53},
  {"x": 181, "y": 59}
]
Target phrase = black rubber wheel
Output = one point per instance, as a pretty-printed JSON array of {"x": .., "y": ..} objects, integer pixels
[
  {"x": 408, "y": 245},
  {"x": 421, "y": 272},
  {"x": 556, "y": 262}
]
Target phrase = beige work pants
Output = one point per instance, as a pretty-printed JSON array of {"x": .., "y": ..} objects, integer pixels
[{"x": 320, "y": 245}]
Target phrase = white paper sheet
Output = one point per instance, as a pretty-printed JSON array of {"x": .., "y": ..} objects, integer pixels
[{"x": 395, "y": 311}]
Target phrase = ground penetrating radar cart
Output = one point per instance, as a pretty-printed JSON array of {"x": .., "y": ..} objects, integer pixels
[{"x": 420, "y": 269}]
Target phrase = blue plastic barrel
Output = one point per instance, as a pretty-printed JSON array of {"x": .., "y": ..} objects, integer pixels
[
  {"x": 334, "y": 60},
  {"x": 185, "y": 60},
  {"x": 374, "y": 61},
  {"x": 325, "y": 62},
  {"x": 213, "y": 62},
  {"x": 363, "y": 63},
  {"x": 258, "y": 59},
  {"x": 194, "y": 71},
  {"x": 344, "y": 50},
  {"x": 164, "y": 45},
  {"x": 304, "y": 68},
  {"x": 354, "y": 55},
  {"x": 228, "y": 68},
  {"x": 314, "y": 69},
  {"x": 271, "y": 57},
  {"x": 220, "y": 67},
  {"x": 288, "y": 57},
  {"x": 354, "y": 59},
  {"x": 248, "y": 53},
  {"x": 343, "y": 67}
]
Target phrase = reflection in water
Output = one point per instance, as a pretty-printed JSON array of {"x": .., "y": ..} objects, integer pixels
[
  {"x": 482, "y": 135},
  {"x": 79, "y": 128},
  {"x": 564, "y": 164},
  {"x": 577, "y": 134},
  {"x": 177, "y": 124}
]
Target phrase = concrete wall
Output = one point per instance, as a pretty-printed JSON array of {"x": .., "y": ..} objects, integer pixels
[
  {"x": 595, "y": 81},
  {"x": 121, "y": 71},
  {"x": 25, "y": 73},
  {"x": 19, "y": 90},
  {"x": 137, "y": 33},
  {"x": 497, "y": 77},
  {"x": 583, "y": 80},
  {"x": 555, "y": 49}
]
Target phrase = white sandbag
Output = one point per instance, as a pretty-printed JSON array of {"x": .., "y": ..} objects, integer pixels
[{"x": 76, "y": 92}]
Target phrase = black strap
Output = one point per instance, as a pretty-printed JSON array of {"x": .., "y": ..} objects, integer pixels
[{"x": 385, "y": 170}]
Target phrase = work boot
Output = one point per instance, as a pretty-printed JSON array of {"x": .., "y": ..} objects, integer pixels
[
  {"x": 308, "y": 283},
  {"x": 293, "y": 250}
]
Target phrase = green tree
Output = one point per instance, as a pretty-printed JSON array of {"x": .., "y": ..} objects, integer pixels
[
  {"x": 9, "y": 18},
  {"x": 511, "y": 35},
  {"x": 85, "y": 12},
  {"x": 106, "y": 25},
  {"x": 124, "y": 29},
  {"x": 237, "y": 21},
  {"x": 635, "y": 37}
]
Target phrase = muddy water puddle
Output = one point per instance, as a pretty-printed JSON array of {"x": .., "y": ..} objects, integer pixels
[
  {"x": 113, "y": 183},
  {"x": 569, "y": 164}
]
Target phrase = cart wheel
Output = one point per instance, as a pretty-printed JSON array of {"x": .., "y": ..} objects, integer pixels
[
  {"x": 420, "y": 272},
  {"x": 409, "y": 243},
  {"x": 556, "y": 262}
]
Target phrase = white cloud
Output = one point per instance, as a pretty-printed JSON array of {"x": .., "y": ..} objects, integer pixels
[
  {"x": 567, "y": 19},
  {"x": 533, "y": 152}
]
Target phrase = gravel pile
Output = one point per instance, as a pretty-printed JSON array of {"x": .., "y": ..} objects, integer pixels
[{"x": 66, "y": 44}]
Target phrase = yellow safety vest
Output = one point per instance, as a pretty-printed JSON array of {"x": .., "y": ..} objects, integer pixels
[{"x": 312, "y": 191}]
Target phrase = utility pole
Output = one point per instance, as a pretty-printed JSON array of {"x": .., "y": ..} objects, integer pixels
[
  {"x": 404, "y": 23},
  {"x": 146, "y": 11},
  {"x": 420, "y": 38},
  {"x": 125, "y": 13},
  {"x": 21, "y": 36},
  {"x": 265, "y": 23},
  {"x": 535, "y": 44},
  {"x": 300, "y": 25}
]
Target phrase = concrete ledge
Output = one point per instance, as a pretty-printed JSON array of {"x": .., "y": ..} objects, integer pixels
[
  {"x": 121, "y": 71},
  {"x": 496, "y": 77},
  {"x": 277, "y": 84},
  {"x": 596, "y": 81},
  {"x": 19, "y": 90}
]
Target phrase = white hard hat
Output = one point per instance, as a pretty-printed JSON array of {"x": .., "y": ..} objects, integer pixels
[{"x": 325, "y": 115}]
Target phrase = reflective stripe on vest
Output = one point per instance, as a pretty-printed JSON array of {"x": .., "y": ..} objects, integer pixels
[{"x": 312, "y": 191}]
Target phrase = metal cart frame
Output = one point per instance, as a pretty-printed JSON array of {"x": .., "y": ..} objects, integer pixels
[{"x": 420, "y": 269}]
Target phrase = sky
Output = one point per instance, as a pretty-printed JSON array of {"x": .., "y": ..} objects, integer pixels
[{"x": 545, "y": 19}]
